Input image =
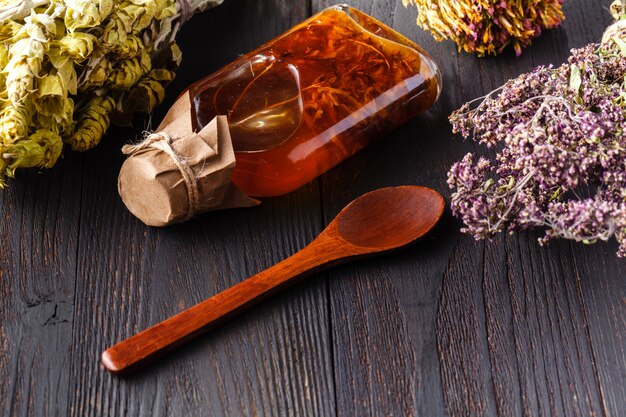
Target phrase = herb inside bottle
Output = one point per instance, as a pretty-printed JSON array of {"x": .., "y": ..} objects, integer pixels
[{"x": 312, "y": 97}]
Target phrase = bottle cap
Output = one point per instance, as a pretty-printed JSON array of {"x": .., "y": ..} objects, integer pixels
[{"x": 175, "y": 173}]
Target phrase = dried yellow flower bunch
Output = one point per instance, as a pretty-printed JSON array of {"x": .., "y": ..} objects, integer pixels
[
  {"x": 69, "y": 67},
  {"x": 486, "y": 27}
]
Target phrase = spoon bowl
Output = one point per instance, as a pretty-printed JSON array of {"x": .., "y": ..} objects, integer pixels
[
  {"x": 377, "y": 222},
  {"x": 389, "y": 218}
]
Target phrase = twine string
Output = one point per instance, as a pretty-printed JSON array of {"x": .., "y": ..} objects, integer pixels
[{"x": 163, "y": 142}]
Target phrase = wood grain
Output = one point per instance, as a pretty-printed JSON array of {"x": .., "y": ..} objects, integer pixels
[
  {"x": 451, "y": 328},
  {"x": 39, "y": 229}
]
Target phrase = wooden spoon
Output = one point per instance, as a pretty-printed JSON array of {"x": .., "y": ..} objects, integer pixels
[{"x": 377, "y": 222}]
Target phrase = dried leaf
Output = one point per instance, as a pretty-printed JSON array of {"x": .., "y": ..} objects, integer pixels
[{"x": 575, "y": 79}]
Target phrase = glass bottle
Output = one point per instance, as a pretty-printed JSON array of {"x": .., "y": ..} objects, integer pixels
[{"x": 313, "y": 96}]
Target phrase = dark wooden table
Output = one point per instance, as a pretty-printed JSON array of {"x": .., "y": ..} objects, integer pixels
[{"x": 448, "y": 327}]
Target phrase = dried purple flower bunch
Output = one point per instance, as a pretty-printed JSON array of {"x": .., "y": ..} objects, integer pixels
[{"x": 560, "y": 135}]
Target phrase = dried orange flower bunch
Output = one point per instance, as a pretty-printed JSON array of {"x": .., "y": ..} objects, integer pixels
[{"x": 486, "y": 27}]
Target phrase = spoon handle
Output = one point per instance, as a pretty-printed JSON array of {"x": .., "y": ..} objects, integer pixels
[{"x": 144, "y": 347}]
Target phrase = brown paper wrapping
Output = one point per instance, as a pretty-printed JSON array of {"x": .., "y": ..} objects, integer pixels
[{"x": 176, "y": 174}]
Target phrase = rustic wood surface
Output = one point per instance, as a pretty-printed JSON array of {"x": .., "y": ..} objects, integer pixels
[{"x": 449, "y": 327}]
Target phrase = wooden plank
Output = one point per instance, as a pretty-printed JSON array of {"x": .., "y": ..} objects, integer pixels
[
  {"x": 460, "y": 334},
  {"x": 475, "y": 381},
  {"x": 600, "y": 277},
  {"x": 39, "y": 229},
  {"x": 383, "y": 310},
  {"x": 274, "y": 361},
  {"x": 600, "y": 280}
]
